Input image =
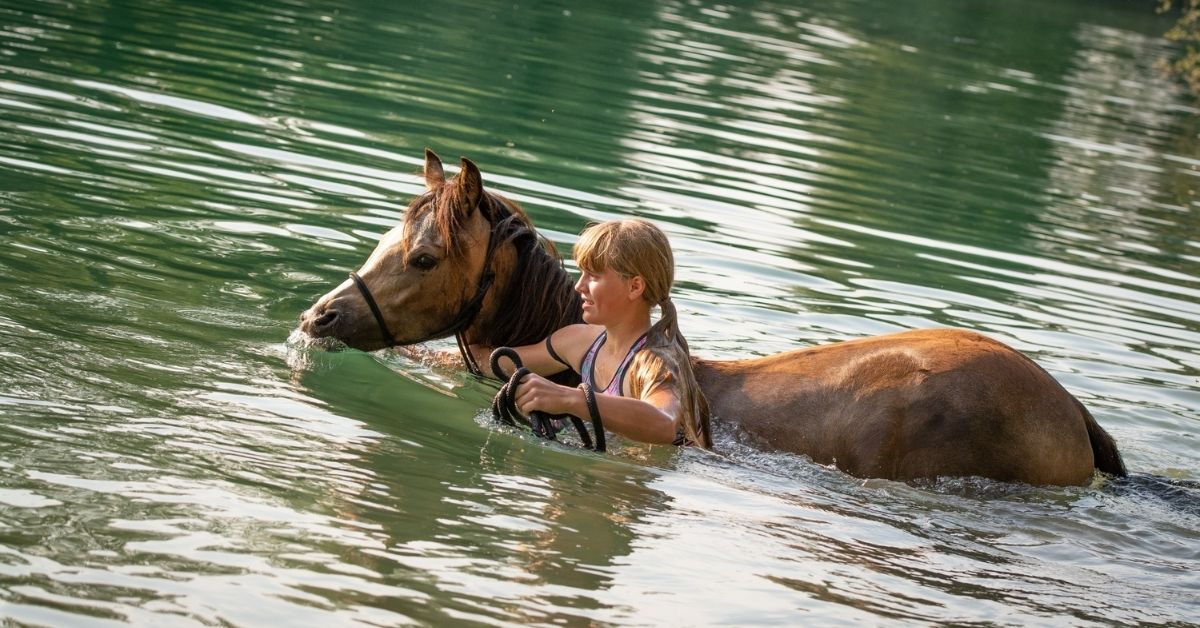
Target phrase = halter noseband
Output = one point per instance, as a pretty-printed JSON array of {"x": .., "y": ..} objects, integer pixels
[{"x": 460, "y": 323}]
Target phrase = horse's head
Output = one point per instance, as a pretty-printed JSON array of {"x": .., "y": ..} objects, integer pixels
[{"x": 424, "y": 277}]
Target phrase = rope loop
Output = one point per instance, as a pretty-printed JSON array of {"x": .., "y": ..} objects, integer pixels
[{"x": 504, "y": 406}]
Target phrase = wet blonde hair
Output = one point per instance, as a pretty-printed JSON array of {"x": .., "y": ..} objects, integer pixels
[{"x": 636, "y": 248}]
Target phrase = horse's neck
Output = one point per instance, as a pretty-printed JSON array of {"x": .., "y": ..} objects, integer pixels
[{"x": 535, "y": 298}]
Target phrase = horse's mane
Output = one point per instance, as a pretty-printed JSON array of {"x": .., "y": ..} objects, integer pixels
[{"x": 539, "y": 297}]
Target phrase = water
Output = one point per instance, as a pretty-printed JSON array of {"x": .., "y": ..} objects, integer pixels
[{"x": 178, "y": 181}]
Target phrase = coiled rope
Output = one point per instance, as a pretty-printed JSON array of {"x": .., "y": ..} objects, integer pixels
[{"x": 504, "y": 406}]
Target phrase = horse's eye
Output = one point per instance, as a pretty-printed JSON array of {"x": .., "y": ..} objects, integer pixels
[{"x": 423, "y": 261}]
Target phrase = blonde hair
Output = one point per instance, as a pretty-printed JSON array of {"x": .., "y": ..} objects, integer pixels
[{"x": 636, "y": 248}]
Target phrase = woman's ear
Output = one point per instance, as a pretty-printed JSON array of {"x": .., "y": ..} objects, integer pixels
[{"x": 637, "y": 287}]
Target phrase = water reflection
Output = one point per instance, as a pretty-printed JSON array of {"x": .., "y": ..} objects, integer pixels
[
  {"x": 178, "y": 182},
  {"x": 492, "y": 542}
]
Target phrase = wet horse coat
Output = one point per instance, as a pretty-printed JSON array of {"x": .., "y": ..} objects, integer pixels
[
  {"x": 915, "y": 404},
  {"x": 910, "y": 405}
]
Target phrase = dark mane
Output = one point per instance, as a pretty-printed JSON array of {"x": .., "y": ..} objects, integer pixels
[{"x": 540, "y": 297}]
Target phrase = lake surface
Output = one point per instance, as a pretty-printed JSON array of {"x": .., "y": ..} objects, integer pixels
[{"x": 179, "y": 180}]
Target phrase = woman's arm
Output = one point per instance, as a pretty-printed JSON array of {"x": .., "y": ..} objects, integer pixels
[
  {"x": 570, "y": 343},
  {"x": 649, "y": 419}
]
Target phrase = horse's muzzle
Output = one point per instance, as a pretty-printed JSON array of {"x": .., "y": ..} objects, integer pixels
[
  {"x": 321, "y": 320},
  {"x": 342, "y": 317}
]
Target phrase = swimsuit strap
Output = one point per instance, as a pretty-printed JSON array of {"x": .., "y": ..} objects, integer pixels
[
  {"x": 588, "y": 366},
  {"x": 614, "y": 387}
]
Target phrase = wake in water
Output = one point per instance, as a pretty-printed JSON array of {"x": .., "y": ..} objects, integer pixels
[
  {"x": 299, "y": 340},
  {"x": 1180, "y": 495},
  {"x": 300, "y": 349}
]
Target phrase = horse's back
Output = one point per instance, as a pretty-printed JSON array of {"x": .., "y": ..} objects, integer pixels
[{"x": 915, "y": 404}]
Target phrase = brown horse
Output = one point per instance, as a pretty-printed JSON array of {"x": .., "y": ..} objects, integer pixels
[{"x": 916, "y": 404}]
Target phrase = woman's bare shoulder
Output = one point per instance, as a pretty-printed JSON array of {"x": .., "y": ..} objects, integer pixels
[{"x": 572, "y": 336}]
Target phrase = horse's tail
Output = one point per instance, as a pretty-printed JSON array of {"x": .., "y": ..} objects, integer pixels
[{"x": 1104, "y": 448}]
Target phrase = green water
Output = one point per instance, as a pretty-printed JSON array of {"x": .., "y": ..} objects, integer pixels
[{"x": 178, "y": 181}]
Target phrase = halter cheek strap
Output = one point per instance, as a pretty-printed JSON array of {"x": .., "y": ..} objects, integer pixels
[
  {"x": 459, "y": 325},
  {"x": 366, "y": 294}
]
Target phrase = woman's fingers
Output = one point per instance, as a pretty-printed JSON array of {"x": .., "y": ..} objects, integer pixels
[
  {"x": 526, "y": 393},
  {"x": 535, "y": 393}
]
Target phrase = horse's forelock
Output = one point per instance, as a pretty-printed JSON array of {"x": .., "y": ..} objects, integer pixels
[
  {"x": 442, "y": 206},
  {"x": 439, "y": 206}
]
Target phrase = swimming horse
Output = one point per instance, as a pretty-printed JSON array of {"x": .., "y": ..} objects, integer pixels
[{"x": 466, "y": 262}]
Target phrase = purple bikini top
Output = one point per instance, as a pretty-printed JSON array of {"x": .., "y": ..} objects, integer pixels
[{"x": 588, "y": 366}]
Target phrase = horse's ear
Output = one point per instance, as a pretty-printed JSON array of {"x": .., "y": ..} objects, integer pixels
[
  {"x": 470, "y": 184},
  {"x": 435, "y": 177}
]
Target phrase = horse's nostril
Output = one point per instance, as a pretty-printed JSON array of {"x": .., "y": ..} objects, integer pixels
[{"x": 325, "y": 319}]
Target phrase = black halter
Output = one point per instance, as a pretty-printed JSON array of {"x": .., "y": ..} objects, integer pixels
[{"x": 458, "y": 326}]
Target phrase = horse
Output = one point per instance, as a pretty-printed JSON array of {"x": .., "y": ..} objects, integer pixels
[{"x": 907, "y": 406}]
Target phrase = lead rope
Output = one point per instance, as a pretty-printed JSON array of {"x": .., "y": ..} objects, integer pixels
[{"x": 504, "y": 407}]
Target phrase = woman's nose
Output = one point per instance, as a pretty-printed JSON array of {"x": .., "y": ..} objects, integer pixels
[{"x": 579, "y": 286}]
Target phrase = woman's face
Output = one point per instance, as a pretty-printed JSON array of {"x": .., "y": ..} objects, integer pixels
[{"x": 605, "y": 295}]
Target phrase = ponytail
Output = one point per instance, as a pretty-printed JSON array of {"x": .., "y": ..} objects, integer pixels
[
  {"x": 667, "y": 327},
  {"x": 665, "y": 340}
]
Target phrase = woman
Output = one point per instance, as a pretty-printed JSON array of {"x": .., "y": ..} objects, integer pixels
[{"x": 641, "y": 373}]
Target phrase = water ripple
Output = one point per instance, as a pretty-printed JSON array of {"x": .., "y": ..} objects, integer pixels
[{"x": 178, "y": 181}]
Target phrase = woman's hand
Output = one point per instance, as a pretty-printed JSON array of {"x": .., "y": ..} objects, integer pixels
[{"x": 538, "y": 393}]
